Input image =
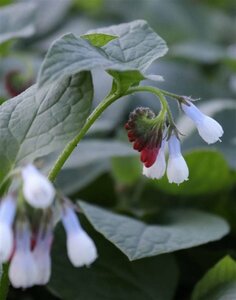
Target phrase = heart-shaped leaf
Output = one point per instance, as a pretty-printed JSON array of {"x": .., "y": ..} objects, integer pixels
[{"x": 182, "y": 229}]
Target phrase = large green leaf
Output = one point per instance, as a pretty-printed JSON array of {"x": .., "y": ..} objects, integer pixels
[
  {"x": 205, "y": 169},
  {"x": 16, "y": 21},
  {"x": 136, "y": 47},
  {"x": 112, "y": 276},
  {"x": 219, "y": 283},
  {"x": 33, "y": 126},
  {"x": 181, "y": 229}
]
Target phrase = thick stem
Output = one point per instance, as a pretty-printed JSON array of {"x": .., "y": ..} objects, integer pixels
[
  {"x": 4, "y": 282},
  {"x": 72, "y": 144}
]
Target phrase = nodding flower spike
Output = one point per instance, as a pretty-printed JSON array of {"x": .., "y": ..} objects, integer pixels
[
  {"x": 80, "y": 247},
  {"x": 7, "y": 215},
  {"x": 208, "y": 128},
  {"x": 22, "y": 271},
  {"x": 41, "y": 254},
  {"x": 177, "y": 169},
  {"x": 157, "y": 170},
  {"x": 145, "y": 132},
  {"x": 37, "y": 189}
]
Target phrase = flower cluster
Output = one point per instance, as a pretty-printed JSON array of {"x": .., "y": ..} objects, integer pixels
[
  {"x": 146, "y": 132},
  {"x": 26, "y": 243}
]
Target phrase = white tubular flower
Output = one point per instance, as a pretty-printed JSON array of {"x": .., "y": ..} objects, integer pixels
[
  {"x": 208, "y": 128},
  {"x": 157, "y": 170},
  {"x": 80, "y": 247},
  {"x": 37, "y": 189},
  {"x": 6, "y": 242},
  {"x": 177, "y": 169},
  {"x": 22, "y": 271},
  {"x": 42, "y": 258},
  {"x": 7, "y": 215}
]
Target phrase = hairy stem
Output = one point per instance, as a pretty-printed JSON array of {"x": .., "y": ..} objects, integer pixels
[
  {"x": 160, "y": 94},
  {"x": 65, "y": 154},
  {"x": 72, "y": 144}
]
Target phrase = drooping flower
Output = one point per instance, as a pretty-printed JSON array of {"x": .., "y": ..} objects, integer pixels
[
  {"x": 157, "y": 170},
  {"x": 22, "y": 271},
  {"x": 7, "y": 215},
  {"x": 177, "y": 169},
  {"x": 37, "y": 189},
  {"x": 145, "y": 132},
  {"x": 80, "y": 247},
  {"x": 208, "y": 128},
  {"x": 41, "y": 254},
  {"x": 27, "y": 250}
]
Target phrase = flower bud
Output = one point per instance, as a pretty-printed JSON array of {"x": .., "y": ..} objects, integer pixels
[
  {"x": 22, "y": 271},
  {"x": 208, "y": 128},
  {"x": 41, "y": 254},
  {"x": 177, "y": 169},
  {"x": 7, "y": 215},
  {"x": 37, "y": 189},
  {"x": 80, "y": 247},
  {"x": 6, "y": 242},
  {"x": 145, "y": 132}
]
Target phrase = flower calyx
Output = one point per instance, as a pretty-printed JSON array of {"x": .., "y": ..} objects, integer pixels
[{"x": 145, "y": 131}]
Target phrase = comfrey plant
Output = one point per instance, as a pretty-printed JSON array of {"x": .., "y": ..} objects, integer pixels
[{"x": 54, "y": 115}]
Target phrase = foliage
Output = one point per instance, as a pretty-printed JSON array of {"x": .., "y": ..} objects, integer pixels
[{"x": 155, "y": 240}]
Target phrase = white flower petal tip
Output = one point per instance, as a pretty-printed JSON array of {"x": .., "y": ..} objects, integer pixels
[
  {"x": 37, "y": 189},
  {"x": 43, "y": 267},
  {"x": 22, "y": 271},
  {"x": 210, "y": 130},
  {"x": 157, "y": 170},
  {"x": 6, "y": 242},
  {"x": 81, "y": 249},
  {"x": 177, "y": 170}
]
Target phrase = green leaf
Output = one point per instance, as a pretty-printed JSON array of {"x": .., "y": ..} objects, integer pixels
[
  {"x": 99, "y": 39},
  {"x": 17, "y": 21},
  {"x": 136, "y": 47},
  {"x": 219, "y": 283},
  {"x": 182, "y": 229},
  {"x": 112, "y": 276},
  {"x": 34, "y": 125},
  {"x": 205, "y": 169}
]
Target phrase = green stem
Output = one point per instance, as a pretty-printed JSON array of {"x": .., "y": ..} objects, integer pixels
[
  {"x": 99, "y": 110},
  {"x": 4, "y": 282},
  {"x": 160, "y": 94},
  {"x": 72, "y": 144}
]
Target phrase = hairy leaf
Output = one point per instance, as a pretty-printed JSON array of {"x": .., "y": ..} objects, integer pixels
[
  {"x": 219, "y": 283},
  {"x": 136, "y": 47},
  {"x": 16, "y": 21},
  {"x": 112, "y": 276},
  {"x": 33, "y": 125},
  {"x": 182, "y": 229}
]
